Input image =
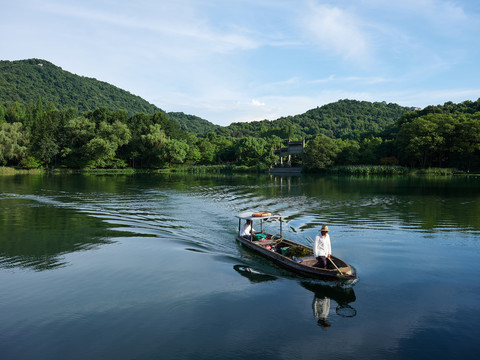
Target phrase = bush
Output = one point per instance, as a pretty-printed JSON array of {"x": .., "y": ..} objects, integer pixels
[
  {"x": 368, "y": 170},
  {"x": 437, "y": 171},
  {"x": 30, "y": 163}
]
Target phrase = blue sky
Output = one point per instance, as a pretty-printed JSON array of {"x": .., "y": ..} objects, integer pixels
[{"x": 244, "y": 60}]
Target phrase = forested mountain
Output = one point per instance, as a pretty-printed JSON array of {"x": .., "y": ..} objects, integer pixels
[
  {"x": 25, "y": 81},
  {"x": 192, "y": 123},
  {"x": 445, "y": 136},
  {"x": 344, "y": 119},
  {"x": 51, "y": 117}
]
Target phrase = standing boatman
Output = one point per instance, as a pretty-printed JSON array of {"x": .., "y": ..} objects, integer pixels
[{"x": 322, "y": 248}]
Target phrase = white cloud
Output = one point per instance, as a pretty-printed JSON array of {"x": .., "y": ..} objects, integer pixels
[
  {"x": 257, "y": 103},
  {"x": 337, "y": 31},
  {"x": 328, "y": 79},
  {"x": 248, "y": 60},
  {"x": 175, "y": 24}
]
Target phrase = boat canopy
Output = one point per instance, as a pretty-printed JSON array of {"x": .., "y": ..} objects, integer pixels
[{"x": 257, "y": 216}]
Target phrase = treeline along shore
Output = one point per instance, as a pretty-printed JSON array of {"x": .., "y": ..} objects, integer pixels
[
  {"x": 37, "y": 135},
  {"x": 50, "y": 118}
]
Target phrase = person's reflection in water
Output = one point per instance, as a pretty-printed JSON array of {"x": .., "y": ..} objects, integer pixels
[
  {"x": 323, "y": 295},
  {"x": 321, "y": 310}
]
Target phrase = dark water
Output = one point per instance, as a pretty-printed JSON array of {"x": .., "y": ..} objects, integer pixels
[{"x": 146, "y": 267}]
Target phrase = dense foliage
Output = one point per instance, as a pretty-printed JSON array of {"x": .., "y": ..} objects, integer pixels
[
  {"x": 37, "y": 135},
  {"x": 192, "y": 123},
  {"x": 438, "y": 136},
  {"x": 24, "y": 81},
  {"x": 34, "y": 135},
  {"x": 88, "y": 124},
  {"x": 345, "y": 119},
  {"x": 441, "y": 136}
]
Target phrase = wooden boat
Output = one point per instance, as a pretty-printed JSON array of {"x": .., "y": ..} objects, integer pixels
[{"x": 291, "y": 255}]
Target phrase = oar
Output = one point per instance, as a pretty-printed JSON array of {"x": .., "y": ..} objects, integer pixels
[
  {"x": 336, "y": 267},
  {"x": 310, "y": 240}
]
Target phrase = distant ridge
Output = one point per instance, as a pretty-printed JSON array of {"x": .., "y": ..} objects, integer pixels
[
  {"x": 192, "y": 123},
  {"x": 24, "y": 81},
  {"x": 346, "y": 119}
]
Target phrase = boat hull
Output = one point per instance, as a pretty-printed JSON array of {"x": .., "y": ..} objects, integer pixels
[{"x": 305, "y": 266}]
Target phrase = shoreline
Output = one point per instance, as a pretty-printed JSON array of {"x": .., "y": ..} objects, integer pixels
[{"x": 357, "y": 170}]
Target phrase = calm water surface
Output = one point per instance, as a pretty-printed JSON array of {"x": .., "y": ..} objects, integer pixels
[{"x": 147, "y": 267}]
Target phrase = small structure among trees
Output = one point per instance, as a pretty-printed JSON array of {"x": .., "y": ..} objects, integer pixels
[{"x": 293, "y": 148}]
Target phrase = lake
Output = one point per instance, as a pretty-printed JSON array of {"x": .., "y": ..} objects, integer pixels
[{"x": 147, "y": 267}]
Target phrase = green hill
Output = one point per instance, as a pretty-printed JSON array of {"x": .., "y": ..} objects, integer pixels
[
  {"x": 24, "y": 81},
  {"x": 349, "y": 118},
  {"x": 192, "y": 123},
  {"x": 342, "y": 119}
]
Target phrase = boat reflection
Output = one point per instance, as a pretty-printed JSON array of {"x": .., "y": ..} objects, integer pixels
[
  {"x": 253, "y": 275},
  {"x": 323, "y": 294}
]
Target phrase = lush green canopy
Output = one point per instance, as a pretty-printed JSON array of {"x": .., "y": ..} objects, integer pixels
[{"x": 51, "y": 117}]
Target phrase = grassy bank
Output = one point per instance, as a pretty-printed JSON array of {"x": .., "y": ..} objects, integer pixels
[
  {"x": 362, "y": 170},
  {"x": 14, "y": 171},
  {"x": 224, "y": 169},
  {"x": 368, "y": 170},
  {"x": 353, "y": 170},
  {"x": 437, "y": 172}
]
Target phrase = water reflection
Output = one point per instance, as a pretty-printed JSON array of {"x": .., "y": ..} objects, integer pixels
[
  {"x": 44, "y": 218},
  {"x": 37, "y": 237},
  {"x": 321, "y": 310},
  {"x": 323, "y": 294},
  {"x": 253, "y": 275},
  {"x": 411, "y": 202}
]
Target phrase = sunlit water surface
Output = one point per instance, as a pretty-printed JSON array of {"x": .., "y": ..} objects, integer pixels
[{"x": 147, "y": 267}]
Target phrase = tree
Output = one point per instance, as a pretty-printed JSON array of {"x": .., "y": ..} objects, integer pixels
[
  {"x": 94, "y": 146},
  {"x": 44, "y": 143},
  {"x": 102, "y": 149},
  {"x": 207, "y": 150},
  {"x": 2, "y": 114},
  {"x": 369, "y": 150},
  {"x": 175, "y": 151},
  {"x": 321, "y": 152},
  {"x": 79, "y": 131},
  {"x": 250, "y": 151},
  {"x": 15, "y": 113},
  {"x": 151, "y": 145},
  {"x": 466, "y": 141},
  {"x": 349, "y": 152},
  {"x": 419, "y": 139},
  {"x": 226, "y": 149},
  {"x": 13, "y": 143}
]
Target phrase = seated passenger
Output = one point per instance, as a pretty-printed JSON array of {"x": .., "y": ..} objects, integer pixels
[{"x": 247, "y": 230}]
